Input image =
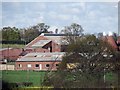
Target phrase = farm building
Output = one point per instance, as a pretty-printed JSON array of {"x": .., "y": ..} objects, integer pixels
[
  {"x": 111, "y": 41},
  {"x": 42, "y": 51},
  {"x": 39, "y": 61},
  {"x": 114, "y": 43},
  {"x": 9, "y": 54},
  {"x": 47, "y": 42}
]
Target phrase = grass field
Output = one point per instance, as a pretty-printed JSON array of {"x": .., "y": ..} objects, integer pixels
[
  {"x": 23, "y": 76},
  {"x": 37, "y": 77},
  {"x": 12, "y": 45}
]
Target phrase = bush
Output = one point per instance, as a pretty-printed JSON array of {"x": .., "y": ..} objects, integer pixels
[
  {"x": 8, "y": 86},
  {"x": 67, "y": 79},
  {"x": 27, "y": 84},
  {"x": 13, "y": 42}
]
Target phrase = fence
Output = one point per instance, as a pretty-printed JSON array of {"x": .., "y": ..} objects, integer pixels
[{"x": 7, "y": 67}]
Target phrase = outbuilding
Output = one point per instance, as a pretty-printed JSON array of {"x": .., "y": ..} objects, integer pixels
[{"x": 39, "y": 61}]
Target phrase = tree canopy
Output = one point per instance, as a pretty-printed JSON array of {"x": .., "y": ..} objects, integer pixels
[
  {"x": 91, "y": 51},
  {"x": 10, "y": 34},
  {"x": 85, "y": 64},
  {"x": 73, "y": 32},
  {"x": 24, "y": 34}
]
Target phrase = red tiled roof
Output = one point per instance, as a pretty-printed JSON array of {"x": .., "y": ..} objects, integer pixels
[{"x": 112, "y": 42}]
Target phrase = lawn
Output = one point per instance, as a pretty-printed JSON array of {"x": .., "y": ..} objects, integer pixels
[
  {"x": 24, "y": 76},
  {"x": 36, "y": 77}
]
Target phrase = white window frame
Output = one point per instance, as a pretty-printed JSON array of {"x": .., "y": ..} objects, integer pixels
[
  {"x": 20, "y": 65},
  {"x": 37, "y": 64},
  {"x": 56, "y": 65},
  {"x": 46, "y": 66},
  {"x": 29, "y": 65}
]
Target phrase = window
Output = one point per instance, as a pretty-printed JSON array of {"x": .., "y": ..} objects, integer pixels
[
  {"x": 29, "y": 65},
  {"x": 47, "y": 65},
  {"x": 20, "y": 65},
  {"x": 50, "y": 49},
  {"x": 35, "y": 56},
  {"x": 36, "y": 65},
  {"x": 57, "y": 65}
]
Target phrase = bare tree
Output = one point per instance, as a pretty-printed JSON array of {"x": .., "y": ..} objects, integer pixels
[{"x": 73, "y": 32}]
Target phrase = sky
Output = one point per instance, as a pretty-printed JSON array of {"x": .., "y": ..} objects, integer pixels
[{"x": 94, "y": 17}]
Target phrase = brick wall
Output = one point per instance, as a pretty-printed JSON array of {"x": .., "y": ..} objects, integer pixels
[
  {"x": 11, "y": 54},
  {"x": 42, "y": 65},
  {"x": 55, "y": 47}
]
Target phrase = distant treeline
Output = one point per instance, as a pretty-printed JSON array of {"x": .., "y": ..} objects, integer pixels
[{"x": 13, "y": 35}]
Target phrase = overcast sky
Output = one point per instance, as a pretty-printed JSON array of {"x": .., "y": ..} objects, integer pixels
[{"x": 92, "y": 16}]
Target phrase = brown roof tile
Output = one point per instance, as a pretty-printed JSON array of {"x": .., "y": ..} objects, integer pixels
[{"x": 112, "y": 42}]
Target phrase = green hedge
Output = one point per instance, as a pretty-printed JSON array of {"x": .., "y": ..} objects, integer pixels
[{"x": 13, "y": 42}]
